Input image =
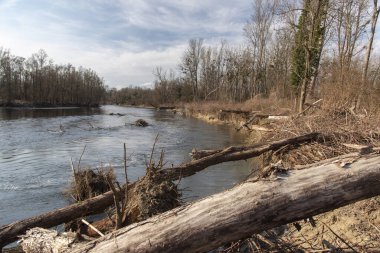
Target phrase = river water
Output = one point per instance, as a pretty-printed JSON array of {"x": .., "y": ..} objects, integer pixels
[{"x": 36, "y": 146}]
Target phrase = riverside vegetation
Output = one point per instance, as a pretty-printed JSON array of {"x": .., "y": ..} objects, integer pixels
[{"x": 310, "y": 78}]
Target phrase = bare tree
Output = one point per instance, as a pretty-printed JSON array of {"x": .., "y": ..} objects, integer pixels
[
  {"x": 374, "y": 17},
  {"x": 259, "y": 33},
  {"x": 350, "y": 25},
  {"x": 190, "y": 63}
]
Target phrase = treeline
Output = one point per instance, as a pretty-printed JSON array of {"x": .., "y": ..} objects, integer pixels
[
  {"x": 37, "y": 81},
  {"x": 294, "y": 49},
  {"x": 131, "y": 96}
]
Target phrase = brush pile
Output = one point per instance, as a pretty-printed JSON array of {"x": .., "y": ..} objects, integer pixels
[
  {"x": 89, "y": 183},
  {"x": 153, "y": 194}
]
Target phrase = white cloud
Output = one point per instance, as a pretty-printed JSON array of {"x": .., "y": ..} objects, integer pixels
[{"x": 122, "y": 40}]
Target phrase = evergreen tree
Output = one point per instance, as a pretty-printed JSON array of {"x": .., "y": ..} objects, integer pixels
[{"x": 309, "y": 40}]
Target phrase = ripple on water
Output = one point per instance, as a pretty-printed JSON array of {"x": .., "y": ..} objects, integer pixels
[{"x": 35, "y": 163}]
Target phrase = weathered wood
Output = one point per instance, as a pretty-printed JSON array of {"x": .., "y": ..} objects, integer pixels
[
  {"x": 234, "y": 154},
  {"x": 261, "y": 147},
  {"x": 9, "y": 233},
  {"x": 246, "y": 209},
  {"x": 247, "y": 123}
]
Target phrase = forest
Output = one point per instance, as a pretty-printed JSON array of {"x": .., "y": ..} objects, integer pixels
[
  {"x": 294, "y": 50},
  {"x": 37, "y": 81}
]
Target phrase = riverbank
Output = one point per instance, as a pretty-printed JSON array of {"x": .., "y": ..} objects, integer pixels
[
  {"x": 338, "y": 130},
  {"x": 355, "y": 226}
]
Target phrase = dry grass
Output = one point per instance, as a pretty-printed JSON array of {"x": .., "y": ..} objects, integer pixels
[
  {"x": 265, "y": 105},
  {"x": 338, "y": 128},
  {"x": 89, "y": 183}
]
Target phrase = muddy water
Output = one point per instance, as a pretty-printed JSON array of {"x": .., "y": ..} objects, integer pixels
[{"x": 36, "y": 146}]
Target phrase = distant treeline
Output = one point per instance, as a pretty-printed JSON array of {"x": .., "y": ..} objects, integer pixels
[
  {"x": 37, "y": 81},
  {"x": 294, "y": 50},
  {"x": 132, "y": 96}
]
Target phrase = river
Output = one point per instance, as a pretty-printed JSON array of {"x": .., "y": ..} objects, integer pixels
[{"x": 36, "y": 146}]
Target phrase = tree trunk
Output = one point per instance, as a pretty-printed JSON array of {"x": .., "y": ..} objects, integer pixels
[
  {"x": 9, "y": 233},
  {"x": 375, "y": 15},
  {"x": 246, "y": 209}
]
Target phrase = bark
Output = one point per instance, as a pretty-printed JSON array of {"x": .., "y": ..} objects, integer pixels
[
  {"x": 246, "y": 209},
  {"x": 9, "y": 233}
]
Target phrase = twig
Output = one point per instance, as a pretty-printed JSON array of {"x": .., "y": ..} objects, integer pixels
[
  {"x": 161, "y": 161},
  {"x": 125, "y": 164},
  {"x": 80, "y": 158},
  {"x": 340, "y": 238},
  {"x": 116, "y": 199},
  {"x": 75, "y": 179},
  {"x": 125, "y": 201},
  {"x": 378, "y": 230},
  {"x": 92, "y": 227},
  {"x": 151, "y": 155}
]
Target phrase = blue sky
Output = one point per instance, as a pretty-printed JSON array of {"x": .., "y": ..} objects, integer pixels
[{"x": 123, "y": 40}]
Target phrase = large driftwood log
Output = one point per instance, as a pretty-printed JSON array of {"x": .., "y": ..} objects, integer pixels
[
  {"x": 9, "y": 233},
  {"x": 246, "y": 209}
]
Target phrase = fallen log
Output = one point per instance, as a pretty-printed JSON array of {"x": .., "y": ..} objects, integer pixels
[
  {"x": 9, "y": 233},
  {"x": 261, "y": 147},
  {"x": 247, "y": 123},
  {"x": 246, "y": 209},
  {"x": 235, "y": 154}
]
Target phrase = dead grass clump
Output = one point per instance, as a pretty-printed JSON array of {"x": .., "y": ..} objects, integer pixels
[
  {"x": 89, "y": 183},
  {"x": 338, "y": 129},
  {"x": 271, "y": 104}
]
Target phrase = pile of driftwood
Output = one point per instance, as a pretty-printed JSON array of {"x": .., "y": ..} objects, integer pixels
[{"x": 276, "y": 197}]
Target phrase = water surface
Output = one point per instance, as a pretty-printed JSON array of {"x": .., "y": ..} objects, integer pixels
[{"x": 36, "y": 146}]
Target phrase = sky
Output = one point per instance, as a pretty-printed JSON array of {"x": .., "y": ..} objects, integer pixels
[{"x": 122, "y": 40}]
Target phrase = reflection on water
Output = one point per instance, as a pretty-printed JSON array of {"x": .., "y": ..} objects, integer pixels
[
  {"x": 37, "y": 144},
  {"x": 17, "y": 113}
]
